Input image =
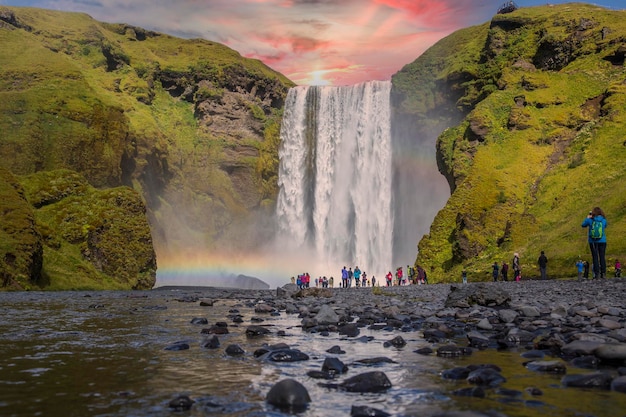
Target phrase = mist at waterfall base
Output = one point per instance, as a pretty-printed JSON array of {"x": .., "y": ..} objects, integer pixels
[{"x": 350, "y": 195}]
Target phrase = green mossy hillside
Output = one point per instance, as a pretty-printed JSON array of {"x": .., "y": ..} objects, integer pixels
[
  {"x": 190, "y": 124},
  {"x": 60, "y": 233},
  {"x": 534, "y": 106}
]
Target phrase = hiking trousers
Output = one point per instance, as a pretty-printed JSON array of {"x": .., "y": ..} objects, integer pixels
[{"x": 598, "y": 251}]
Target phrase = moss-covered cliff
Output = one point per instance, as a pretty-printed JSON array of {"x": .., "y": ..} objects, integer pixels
[
  {"x": 58, "y": 232},
  {"x": 535, "y": 108},
  {"x": 190, "y": 124}
]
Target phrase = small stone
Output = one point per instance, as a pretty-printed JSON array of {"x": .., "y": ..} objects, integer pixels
[
  {"x": 234, "y": 350},
  {"x": 181, "y": 403},
  {"x": 550, "y": 367}
]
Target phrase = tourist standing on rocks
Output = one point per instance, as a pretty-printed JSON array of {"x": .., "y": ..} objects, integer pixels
[
  {"x": 350, "y": 275},
  {"x": 389, "y": 277},
  {"x": 543, "y": 265},
  {"x": 344, "y": 278},
  {"x": 464, "y": 276},
  {"x": 596, "y": 224},
  {"x": 357, "y": 276},
  {"x": 517, "y": 270},
  {"x": 331, "y": 281},
  {"x": 580, "y": 266},
  {"x": 505, "y": 271},
  {"x": 586, "y": 273},
  {"x": 496, "y": 271},
  {"x": 618, "y": 269},
  {"x": 373, "y": 281}
]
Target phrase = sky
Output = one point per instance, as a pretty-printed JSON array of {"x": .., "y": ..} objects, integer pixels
[{"x": 312, "y": 42}]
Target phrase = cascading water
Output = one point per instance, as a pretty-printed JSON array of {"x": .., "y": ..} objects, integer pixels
[{"x": 335, "y": 178}]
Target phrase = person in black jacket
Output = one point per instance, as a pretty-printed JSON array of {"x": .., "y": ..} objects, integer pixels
[{"x": 543, "y": 265}]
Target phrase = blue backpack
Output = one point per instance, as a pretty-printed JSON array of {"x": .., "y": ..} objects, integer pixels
[{"x": 597, "y": 230}]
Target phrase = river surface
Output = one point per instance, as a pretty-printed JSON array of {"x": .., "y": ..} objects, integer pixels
[{"x": 103, "y": 354}]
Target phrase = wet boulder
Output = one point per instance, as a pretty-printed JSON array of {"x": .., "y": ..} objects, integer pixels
[
  {"x": 619, "y": 384},
  {"x": 178, "y": 346},
  {"x": 397, "y": 342},
  {"x": 375, "y": 381},
  {"x": 593, "y": 380},
  {"x": 549, "y": 367},
  {"x": 211, "y": 343},
  {"x": 485, "y": 377},
  {"x": 285, "y": 355},
  {"x": 256, "y": 331},
  {"x": 234, "y": 350},
  {"x": 289, "y": 395},
  {"x": 334, "y": 366}
]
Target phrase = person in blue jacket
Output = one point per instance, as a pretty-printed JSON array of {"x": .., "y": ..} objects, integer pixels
[{"x": 596, "y": 224}]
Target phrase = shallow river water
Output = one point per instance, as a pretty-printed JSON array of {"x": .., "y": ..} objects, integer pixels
[{"x": 103, "y": 354}]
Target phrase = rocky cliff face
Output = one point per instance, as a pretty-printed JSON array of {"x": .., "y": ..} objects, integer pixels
[
  {"x": 21, "y": 250},
  {"x": 189, "y": 124},
  {"x": 530, "y": 105}
]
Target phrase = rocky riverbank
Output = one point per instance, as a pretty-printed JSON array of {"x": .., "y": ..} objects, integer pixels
[{"x": 574, "y": 331}]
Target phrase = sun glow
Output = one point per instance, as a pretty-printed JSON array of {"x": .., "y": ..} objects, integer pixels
[{"x": 317, "y": 78}]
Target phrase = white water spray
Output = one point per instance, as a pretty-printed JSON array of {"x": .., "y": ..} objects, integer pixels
[{"x": 335, "y": 178}]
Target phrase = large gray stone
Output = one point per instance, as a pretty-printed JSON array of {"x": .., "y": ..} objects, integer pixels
[
  {"x": 611, "y": 351},
  {"x": 481, "y": 294},
  {"x": 326, "y": 315}
]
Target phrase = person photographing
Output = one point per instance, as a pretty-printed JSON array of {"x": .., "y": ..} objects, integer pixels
[{"x": 596, "y": 236}]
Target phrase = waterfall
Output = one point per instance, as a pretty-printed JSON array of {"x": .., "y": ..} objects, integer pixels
[{"x": 334, "y": 205}]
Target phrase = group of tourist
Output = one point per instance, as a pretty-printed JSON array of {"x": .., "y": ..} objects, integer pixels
[
  {"x": 595, "y": 222},
  {"x": 596, "y": 237}
]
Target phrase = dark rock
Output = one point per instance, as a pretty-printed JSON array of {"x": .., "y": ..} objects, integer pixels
[
  {"x": 424, "y": 351},
  {"x": 336, "y": 350},
  {"x": 456, "y": 373},
  {"x": 619, "y": 384},
  {"x": 375, "y": 381},
  {"x": 178, "y": 346},
  {"x": 207, "y": 303},
  {"x": 550, "y": 367},
  {"x": 374, "y": 361},
  {"x": 594, "y": 380},
  {"x": 181, "y": 403},
  {"x": 533, "y": 354},
  {"x": 478, "y": 340},
  {"x": 320, "y": 375},
  {"x": 234, "y": 350},
  {"x": 585, "y": 362},
  {"x": 289, "y": 395},
  {"x": 486, "y": 377},
  {"x": 334, "y": 366},
  {"x": 286, "y": 355},
  {"x": 397, "y": 341},
  {"x": 211, "y": 343},
  {"x": 453, "y": 351},
  {"x": 256, "y": 331},
  {"x": 215, "y": 330},
  {"x": 199, "y": 320},
  {"x": 365, "y": 411},
  {"x": 350, "y": 330}
]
